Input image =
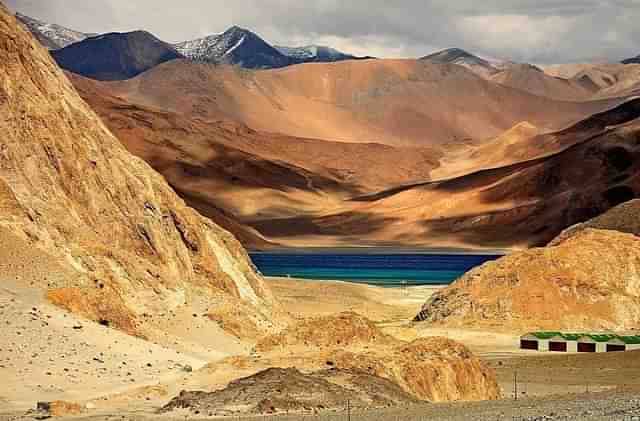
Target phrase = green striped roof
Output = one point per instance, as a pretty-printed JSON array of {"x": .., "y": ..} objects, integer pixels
[
  {"x": 630, "y": 340},
  {"x": 545, "y": 335}
]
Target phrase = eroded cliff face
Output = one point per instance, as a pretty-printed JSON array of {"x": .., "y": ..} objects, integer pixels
[
  {"x": 587, "y": 280},
  {"x": 70, "y": 188}
]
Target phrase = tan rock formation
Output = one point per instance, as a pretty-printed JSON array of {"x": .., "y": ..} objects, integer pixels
[
  {"x": 589, "y": 280},
  {"x": 281, "y": 390},
  {"x": 433, "y": 369},
  {"x": 70, "y": 188},
  {"x": 342, "y": 330}
]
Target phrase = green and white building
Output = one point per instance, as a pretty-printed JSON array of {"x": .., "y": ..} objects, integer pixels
[{"x": 578, "y": 342}]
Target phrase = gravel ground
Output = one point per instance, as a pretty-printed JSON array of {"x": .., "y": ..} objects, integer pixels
[{"x": 589, "y": 407}]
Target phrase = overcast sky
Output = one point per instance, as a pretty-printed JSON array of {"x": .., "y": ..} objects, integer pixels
[{"x": 536, "y": 31}]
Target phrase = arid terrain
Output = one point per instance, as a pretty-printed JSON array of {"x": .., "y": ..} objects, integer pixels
[
  {"x": 133, "y": 182},
  {"x": 541, "y": 379},
  {"x": 116, "y": 295},
  {"x": 272, "y": 188}
]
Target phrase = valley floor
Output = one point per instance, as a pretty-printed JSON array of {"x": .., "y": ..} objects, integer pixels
[{"x": 544, "y": 380}]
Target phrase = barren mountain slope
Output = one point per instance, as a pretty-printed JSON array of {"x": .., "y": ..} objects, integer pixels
[
  {"x": 568, "y": 71},
  {"x": 586, "y": 280},
  {"x": 534, "y": 80},
  {"x": 522, "y": 204},
  {"x": 512, "y": 146},
  {"x": 396, "y": 102},
  {"x": 230, "y": 172},
  {"x": 610, "y": 79},
  {"x": 68, "y": 187}
]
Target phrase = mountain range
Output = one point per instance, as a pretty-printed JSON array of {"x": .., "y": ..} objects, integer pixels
[
  {"x": 236, "y": 46},
  {"x": 242, "y": 47},
  {"x": 274, "y": 152}
]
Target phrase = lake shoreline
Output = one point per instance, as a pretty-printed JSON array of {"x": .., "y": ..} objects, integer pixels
[
  {"x": 380, "y": 268},
  {"x": 380, "y": 250}
]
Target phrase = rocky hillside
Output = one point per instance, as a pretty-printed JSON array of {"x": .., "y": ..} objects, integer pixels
[
  {"x": 50, "y": 35},
  {"x": 115, "y": 56},
  {"x": 282, "y": 390},
  {"x": 586, "y": 279},
  {"x": 532, "y": 79},
  {"x": 228, "y": 171},
  {"x": 68, "y": 187}
]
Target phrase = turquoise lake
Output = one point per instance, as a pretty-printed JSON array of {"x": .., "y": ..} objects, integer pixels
[{"x": 389, "y": 270}]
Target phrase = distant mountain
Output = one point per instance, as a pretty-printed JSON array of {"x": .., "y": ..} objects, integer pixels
[
  {"x": 314, "y": 53},
  {"x": 479, "y": 65},
  {"x": 632, "y": 60},
  {"x": 115, "y": 56},
  {"x": 234, "y": 46},
  {"x": 529, "y": 78},
  {"x": 246, "y": 49},
  {"x": 50, "y": 35}
]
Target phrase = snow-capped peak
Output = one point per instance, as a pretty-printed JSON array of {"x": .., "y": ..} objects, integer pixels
[
  {"x": 483, "y": 66},
  {"x": 242, "y": 47},
  {"x": 51, "y": 35},
  {"x": 214, "y": 47},
  {"x": 311, "y": 52}
]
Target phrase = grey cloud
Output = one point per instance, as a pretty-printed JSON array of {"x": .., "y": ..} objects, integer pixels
[{"x": 539, "y": 31}]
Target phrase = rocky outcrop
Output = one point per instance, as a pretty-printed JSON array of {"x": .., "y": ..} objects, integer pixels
[
  {"x": 342, "y": 330},
  {"x": 588, "y": 280},
  {"x": 69, "y": 187},
  {"x": 429, "y": 369},
  {"x": 279, "y": 390}
]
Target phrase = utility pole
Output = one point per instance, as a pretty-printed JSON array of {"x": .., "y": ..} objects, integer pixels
[
  {"x": 515, "y": 384},
  {"x": 348, "y": 410}
]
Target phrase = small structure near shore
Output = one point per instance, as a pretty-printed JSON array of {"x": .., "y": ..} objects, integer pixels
[{"x": 578, "y": 342}]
